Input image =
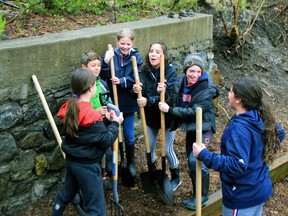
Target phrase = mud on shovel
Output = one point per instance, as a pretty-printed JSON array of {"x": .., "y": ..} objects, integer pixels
[
  {"x": 77, "y": 199},
  {"x": 163, "y": 184}
]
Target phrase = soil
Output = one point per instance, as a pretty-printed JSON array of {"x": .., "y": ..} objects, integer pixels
[{"x": 263, "y": 53}]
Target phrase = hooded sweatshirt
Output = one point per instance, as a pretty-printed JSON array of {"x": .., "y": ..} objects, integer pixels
[
  {"x": 245, "y": 177},
  {"x": 95, "y": 134}
]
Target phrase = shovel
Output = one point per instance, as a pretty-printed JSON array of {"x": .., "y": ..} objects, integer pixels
[
  {"x": 104, "y": 100},
  {"x": 77, "y": 199},
  {"x": 115, "y": 207},
  {"x": 147, "y": 179},
  {"x": 163, "y": 184},
  {"x": 198, "y": 162},
  {"x": 127, "y": 177}
]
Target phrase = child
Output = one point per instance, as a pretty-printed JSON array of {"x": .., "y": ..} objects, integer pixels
[
  {"x": 87, "y": 136},
  {"x": 196, "y": 90},
  {"x": 91, "y": 61},
  {"x": 124, "y": 79},
  {"x": 248, "y": 143},
  {"x": 150, "y": 77}
]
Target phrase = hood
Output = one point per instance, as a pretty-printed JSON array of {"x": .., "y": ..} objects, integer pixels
[
  {"x": 87, "y": 115},
  {"x": 250, "y": 119}
]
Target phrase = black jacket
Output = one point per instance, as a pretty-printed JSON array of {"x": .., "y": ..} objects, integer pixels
[
  {"x": 185, "y": 117},
  {"x": 92, "y": 142},
  {"x": 150, "y": 77}
]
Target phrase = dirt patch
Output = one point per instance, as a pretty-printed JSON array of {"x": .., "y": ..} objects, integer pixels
[{"x": 264, "y": 55}]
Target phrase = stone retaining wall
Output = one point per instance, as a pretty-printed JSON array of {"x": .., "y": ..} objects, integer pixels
[{"x": 30, "y": 164}]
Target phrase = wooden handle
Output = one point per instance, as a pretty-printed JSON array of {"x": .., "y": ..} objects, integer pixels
[
  {"x": 142, "y": 112},
  {"x": 114, "y": 87},
  {"x": 198, "y": 162},
  {"x": 113, "y": 76},
  {"x": 115, "y": 144},
  {"x": 162, "y": 99},
  {"x": 48, "y": 112}
]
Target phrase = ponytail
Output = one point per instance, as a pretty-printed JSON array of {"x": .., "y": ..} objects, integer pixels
[
  {"x": 270, "y": 136},
  {"x": 81, "y": 81},
  {"x": 71, "y": 118}
]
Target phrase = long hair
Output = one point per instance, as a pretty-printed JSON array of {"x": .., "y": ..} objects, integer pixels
[
  {"x": 165, "y": 52},
  {"x": 81, "y": 81},
  {"x": 248, "y": 89}
]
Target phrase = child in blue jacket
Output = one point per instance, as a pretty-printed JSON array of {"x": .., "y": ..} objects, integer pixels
[
  {"x": 124, "y": 80},
  {"x": 248, "y": 144}
]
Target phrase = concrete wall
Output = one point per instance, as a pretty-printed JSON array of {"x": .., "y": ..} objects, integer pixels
[
  {"x": 30, "y": 163},
  {"x": 50, "y": 57}
]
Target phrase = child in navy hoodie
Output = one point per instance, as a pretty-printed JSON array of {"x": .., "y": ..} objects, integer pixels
[{"x": 248, "y": 144}]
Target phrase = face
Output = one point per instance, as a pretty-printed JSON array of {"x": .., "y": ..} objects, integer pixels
[
  {"x": 125, "y": 44},
  {"x": 92, "y": 90},
  {"x": 193, "y": 73},
  {"x": 232, "y": 99},
  {"x": 93, "y": 66},
  {"x": 154, "y": 55}
]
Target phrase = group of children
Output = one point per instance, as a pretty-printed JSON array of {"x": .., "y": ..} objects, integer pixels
[{"x": 91, "y": 129}]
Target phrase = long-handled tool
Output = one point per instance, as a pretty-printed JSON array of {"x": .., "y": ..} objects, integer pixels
[
  {"x": 198, "y": 162},
  {"x": 116, "y": 209},
  {"x": 146, "y": 178},
  {"x": 104, "y": 100},
  {"x": 128, "y": 177},
  {"x": 163, "y": 185},
  {"x": 77, "y": 199}
]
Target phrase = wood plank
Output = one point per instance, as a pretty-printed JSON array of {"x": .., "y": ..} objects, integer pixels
[{"x": 278, "y": 170}]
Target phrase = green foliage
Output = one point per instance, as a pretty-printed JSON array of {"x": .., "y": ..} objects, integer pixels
[
  {"x": 126, "y": 18},
  {"x": 35, "y": 6},
  {"x": 64, "y": 6},
  {"x": 243, "y": 4},
  {"x": 2, "y": 23}
]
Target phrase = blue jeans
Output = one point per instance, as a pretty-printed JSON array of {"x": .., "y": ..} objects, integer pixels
[
  {"x": 190, "y": 139},
  {"x": 87, "y": 178},
  {"x": 128, "y": 128},
  {"x": 252, "y": 211}
]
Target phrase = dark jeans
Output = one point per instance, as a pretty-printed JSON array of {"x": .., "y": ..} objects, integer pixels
[
  {"x": 88, "y": 179},
  {"x": 190, "y": 139}
]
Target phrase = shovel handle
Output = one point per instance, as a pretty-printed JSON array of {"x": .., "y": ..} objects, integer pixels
[
  {"x": 162, "y": 99},
  {"x": 115, "y": 144},
  {"x": 142, "y": 112},
  {"x": 48, "y": 112},
  {"x": 112, "y": 68},
  {"x": 198, "y": 162},
  {"x": 114, "y": 87}
]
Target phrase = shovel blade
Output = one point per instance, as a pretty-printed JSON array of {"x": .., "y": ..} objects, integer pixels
[
  {"x": 148, "y": 181},
  {"x": 164, "y": 189},
  {"x": 127, "y": 178}
]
